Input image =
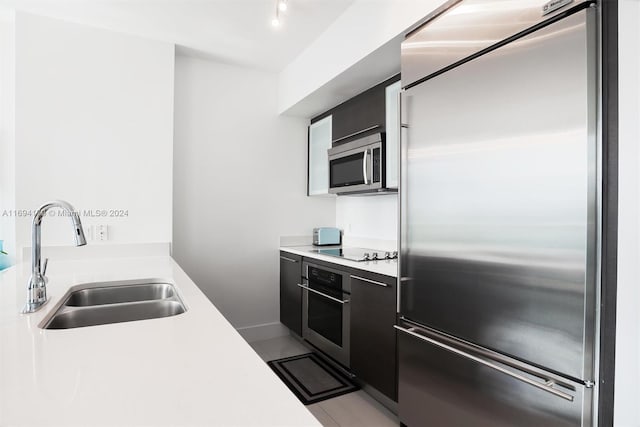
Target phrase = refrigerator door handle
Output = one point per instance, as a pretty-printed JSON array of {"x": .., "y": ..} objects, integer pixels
[{"x": 546, "y": 386}]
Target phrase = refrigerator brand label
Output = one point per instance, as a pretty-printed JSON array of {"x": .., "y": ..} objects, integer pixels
[{"x": 554, "y": 5}]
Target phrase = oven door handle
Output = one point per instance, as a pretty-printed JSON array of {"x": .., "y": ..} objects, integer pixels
[{"x": 306, "y": 288}]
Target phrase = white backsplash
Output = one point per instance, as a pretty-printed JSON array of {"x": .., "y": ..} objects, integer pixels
[
  {"x": 363, "y": 242},
  {"x": 368, "y": 221},
  {"x": 296, "y": 240}
]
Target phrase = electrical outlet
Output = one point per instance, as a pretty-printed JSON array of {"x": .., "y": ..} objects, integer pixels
[
  {"x": 88, "y": 232},
  {"x": 102, "y": 232}
]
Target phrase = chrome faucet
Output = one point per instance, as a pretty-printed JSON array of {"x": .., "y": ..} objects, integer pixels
[{"x": 37, "y": 288}]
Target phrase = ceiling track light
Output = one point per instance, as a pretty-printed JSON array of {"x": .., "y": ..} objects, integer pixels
[{"x": 281, "y": 6}]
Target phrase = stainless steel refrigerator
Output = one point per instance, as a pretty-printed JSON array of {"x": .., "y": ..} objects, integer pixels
[{"x": 500, "y": 214}]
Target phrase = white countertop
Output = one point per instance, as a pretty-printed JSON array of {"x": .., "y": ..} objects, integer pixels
[
  {"x": 386, "y": 267},
  {"x": 193, "y": 369}
]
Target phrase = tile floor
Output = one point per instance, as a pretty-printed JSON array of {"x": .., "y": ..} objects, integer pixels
[{"x": 356, "y": 409}]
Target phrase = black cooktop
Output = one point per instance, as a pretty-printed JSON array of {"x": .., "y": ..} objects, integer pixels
[{"x": 356, "y": 254}]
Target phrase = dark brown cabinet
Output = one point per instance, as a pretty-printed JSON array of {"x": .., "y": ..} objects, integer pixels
[
  {"x": 360, "y": 116},
  {"x": 290, "y": 292},
  {"x": 373, "y": 338},
  {"x": 372, "y": 304}
]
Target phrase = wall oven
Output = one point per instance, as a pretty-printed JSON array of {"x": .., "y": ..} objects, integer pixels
[
  {"x": 358, "y": 166},
  {"x": 326, "y": 310}
]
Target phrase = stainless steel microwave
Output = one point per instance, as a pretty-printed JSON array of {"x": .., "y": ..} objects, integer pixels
[{"x": 358, "y": 166}]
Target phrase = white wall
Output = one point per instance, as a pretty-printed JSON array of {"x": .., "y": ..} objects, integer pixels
[
  {"x": 368, "y": 217},
  {"x": 366, "y": 26},
  {"x": 239, "y": 184},
  {"x": 627, "y": 408},
  {"x": 94, "y": 126},
  {"x": 7, "y": 140}
]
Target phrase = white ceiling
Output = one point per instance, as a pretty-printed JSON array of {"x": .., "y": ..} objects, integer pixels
[{"x": 232, "y": 31}]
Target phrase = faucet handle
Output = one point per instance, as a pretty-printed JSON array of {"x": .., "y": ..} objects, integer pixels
[{"x": 44, "y": 267}]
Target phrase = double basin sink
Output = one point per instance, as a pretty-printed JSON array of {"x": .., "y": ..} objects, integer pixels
[{"x": 114, "y": 302}]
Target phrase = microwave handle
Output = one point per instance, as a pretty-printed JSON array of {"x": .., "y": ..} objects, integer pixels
[{"x": 364, "y": 166}]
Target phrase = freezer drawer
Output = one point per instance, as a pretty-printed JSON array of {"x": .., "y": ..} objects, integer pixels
[{"x": 444, "y": 382}]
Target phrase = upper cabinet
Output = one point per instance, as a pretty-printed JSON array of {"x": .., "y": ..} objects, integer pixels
[
  {"x": 392, "y": 125},
  {"x": 359, "y": 116},
  {"x": 374, "y": 111},
  {"x": 318, "y": 168}
]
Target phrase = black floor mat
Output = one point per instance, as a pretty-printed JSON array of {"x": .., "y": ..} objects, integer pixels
[{"x": 311, "y": 379}]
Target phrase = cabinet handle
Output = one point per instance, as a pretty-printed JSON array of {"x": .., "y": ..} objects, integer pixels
[
  {"x": 306, "y": 288},
  {"x": 355, "y": 133},
  {"x": 370, "y": 281},
  {"x": 288, "y": 259},
  {"x": 546, "y": 386}
]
